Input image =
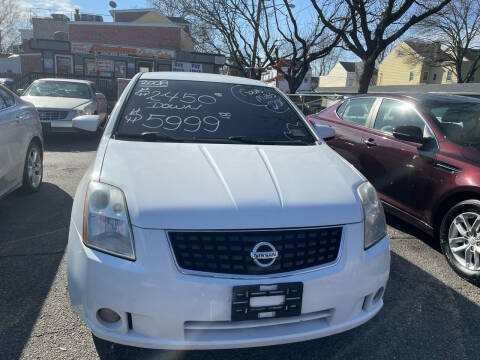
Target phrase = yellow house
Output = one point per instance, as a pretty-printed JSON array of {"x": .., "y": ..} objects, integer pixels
[
  {"x": 414, "y": 63},
  {"x": 152, "y": 16}
]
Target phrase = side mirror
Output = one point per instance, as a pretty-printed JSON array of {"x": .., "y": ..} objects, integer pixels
[
  {"x": 86, "y": 122},
  {"x": 20, "y": 92},
  {"x": 409, "y": 133},
  {"x": 325, "y": 132}
]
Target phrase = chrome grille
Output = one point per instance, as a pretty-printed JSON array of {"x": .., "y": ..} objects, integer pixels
[
  {"x": 229, "y": 252},
  {"x": 46, "y": 115}
]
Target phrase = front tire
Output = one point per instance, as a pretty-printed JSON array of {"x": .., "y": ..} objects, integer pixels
[
  {"x": 33, "y": 169},
  {"x": 460, "y": 239}
]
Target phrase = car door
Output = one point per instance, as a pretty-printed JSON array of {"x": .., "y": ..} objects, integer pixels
[
  {"x": 400, "y": 170},
  {"x": 350, "y": 122},
  {"x": 12, "y": 142}
]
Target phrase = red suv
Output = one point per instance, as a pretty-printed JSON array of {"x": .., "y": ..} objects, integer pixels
[{"x": 422, "y": 153}]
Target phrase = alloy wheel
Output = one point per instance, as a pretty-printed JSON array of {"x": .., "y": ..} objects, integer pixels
[
  {"x": 464, "y": 240},
  {"x": 34, "y": 168}
]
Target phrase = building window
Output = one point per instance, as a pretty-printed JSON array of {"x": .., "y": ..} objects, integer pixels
[
  {"x": 434, "y": 76},
  {"x": 449, "y": 75},
  {"x": 145, "y": 66},
  {"x": 410, "y": 78},
  {"x": 90, "y": 68},
  {"x": 400, "y": 53},
  {"x": 425, "y": 76},
  {"x": 63, "y": 64},
  {"x": 99, "y": 67},
  {"x": 120, "y": 69},
  {"x": 164, "y": 67}
]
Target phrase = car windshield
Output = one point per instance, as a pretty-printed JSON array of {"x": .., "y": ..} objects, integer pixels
[
  {"x": 196, "y": 111},
  {"x": 459, "y": 120},
  {"x": 59, "y": 89}
]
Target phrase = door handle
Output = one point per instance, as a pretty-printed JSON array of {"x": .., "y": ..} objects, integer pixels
[{"x": 370, "y": 142}]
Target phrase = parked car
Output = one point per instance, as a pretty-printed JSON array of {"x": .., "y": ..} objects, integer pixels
[
  {"x": 7, "y": 82},
  {"x": 21, "y": 145},
  {"x": 422, "y": 154},
  {"x": 59, "y": 101},
  {"x": 198, "y": 225}
]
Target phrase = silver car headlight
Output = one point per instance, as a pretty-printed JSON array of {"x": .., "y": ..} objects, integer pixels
[
  {"x": 85, "y": 109},
  {"x": 106, "y": 224},
  {"x": 375, "y": 224}
]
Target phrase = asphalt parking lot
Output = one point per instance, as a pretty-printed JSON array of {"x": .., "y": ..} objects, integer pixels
[{"x": 429, "y": 312}]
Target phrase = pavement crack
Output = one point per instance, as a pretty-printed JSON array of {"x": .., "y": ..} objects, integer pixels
[
  {"x": 33, "y": 254},
  {"x": 44, "y": 234}
]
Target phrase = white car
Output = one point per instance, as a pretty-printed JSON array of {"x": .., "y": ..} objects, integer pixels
[
  {"x": 59, "y": 101},
  {"x": 21, "y": 145},
  {"x": 215, "y": 216}
]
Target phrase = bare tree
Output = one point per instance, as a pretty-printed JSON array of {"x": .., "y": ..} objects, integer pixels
[
  {"x": 232, "y": 27},
  {"x": 323, "y": 65},
  {"x": 455, "y": 28},
  {"x": 170, "y": 7},
  {"x": 206, "y": 39},
  {"x": 10, "y": 17},
  {"x": 256, "y": 34},
  {"x": 388, "y": 49},
  {"x": 372, "y": 25},
  {"x": 295, "y": 46}
]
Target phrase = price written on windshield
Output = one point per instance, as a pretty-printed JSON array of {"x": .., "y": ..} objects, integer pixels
[
  {"x": 190, "y": 124},
  {"x": 162, "y": 96}
]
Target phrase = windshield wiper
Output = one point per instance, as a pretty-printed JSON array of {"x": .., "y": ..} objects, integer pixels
[
  {"x": 248, "y": 140},
  {"x": 154, "y": 136},
  {"x": 158, "y": 136}
]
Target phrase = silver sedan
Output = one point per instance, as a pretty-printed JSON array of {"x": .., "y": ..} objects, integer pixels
[
  {"x": 21, "y": 144},
  {"x": 59, "y": 101}
]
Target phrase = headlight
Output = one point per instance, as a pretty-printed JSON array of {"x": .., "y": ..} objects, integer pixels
[
  {"x": 375, "y": 224},
  {"x": 106, "y": 225},
  {"x": 85, "y": 109}
]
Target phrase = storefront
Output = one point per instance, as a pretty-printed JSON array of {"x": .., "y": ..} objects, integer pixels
[{"x": 116, "y": 61}]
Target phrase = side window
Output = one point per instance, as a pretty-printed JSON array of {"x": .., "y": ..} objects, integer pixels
[
  {"x": 341, "y": 108},
  {"x": 94, "y": 89},
  {"x": 7, "y": 98},
  {"x": 393, "y": 113},
  {"x": 356, "y": 111},
  {"x": 2, "y": 104}
]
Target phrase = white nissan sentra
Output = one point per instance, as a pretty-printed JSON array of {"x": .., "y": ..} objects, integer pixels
[{"x": 215, "y": 216}]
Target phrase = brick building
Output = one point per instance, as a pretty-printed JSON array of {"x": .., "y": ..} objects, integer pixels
[{"x": 137, "y": 40}]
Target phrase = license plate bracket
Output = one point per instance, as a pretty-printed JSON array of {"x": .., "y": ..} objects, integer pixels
[{"x": 242, "y": 295}]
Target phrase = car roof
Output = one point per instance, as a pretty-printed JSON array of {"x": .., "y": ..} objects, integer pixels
[
  {"x": 423, "y": 97},
  {"x": 191, "y": 76},
  {"x": 66, "y": 80}
]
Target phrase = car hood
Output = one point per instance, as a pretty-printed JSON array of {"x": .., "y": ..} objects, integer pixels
[
  {"x": 230, "y": 186},
  {"x": 54, "y": 102}
]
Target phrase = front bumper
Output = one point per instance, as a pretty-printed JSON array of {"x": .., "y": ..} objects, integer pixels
[
  {"x": 170, "y": 310},
  {"x": 64, "y": 125}
]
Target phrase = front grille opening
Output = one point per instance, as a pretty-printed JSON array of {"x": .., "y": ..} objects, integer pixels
[
  {"x": 228, "y": 252},
  {"x": 52, "y": 115}
]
